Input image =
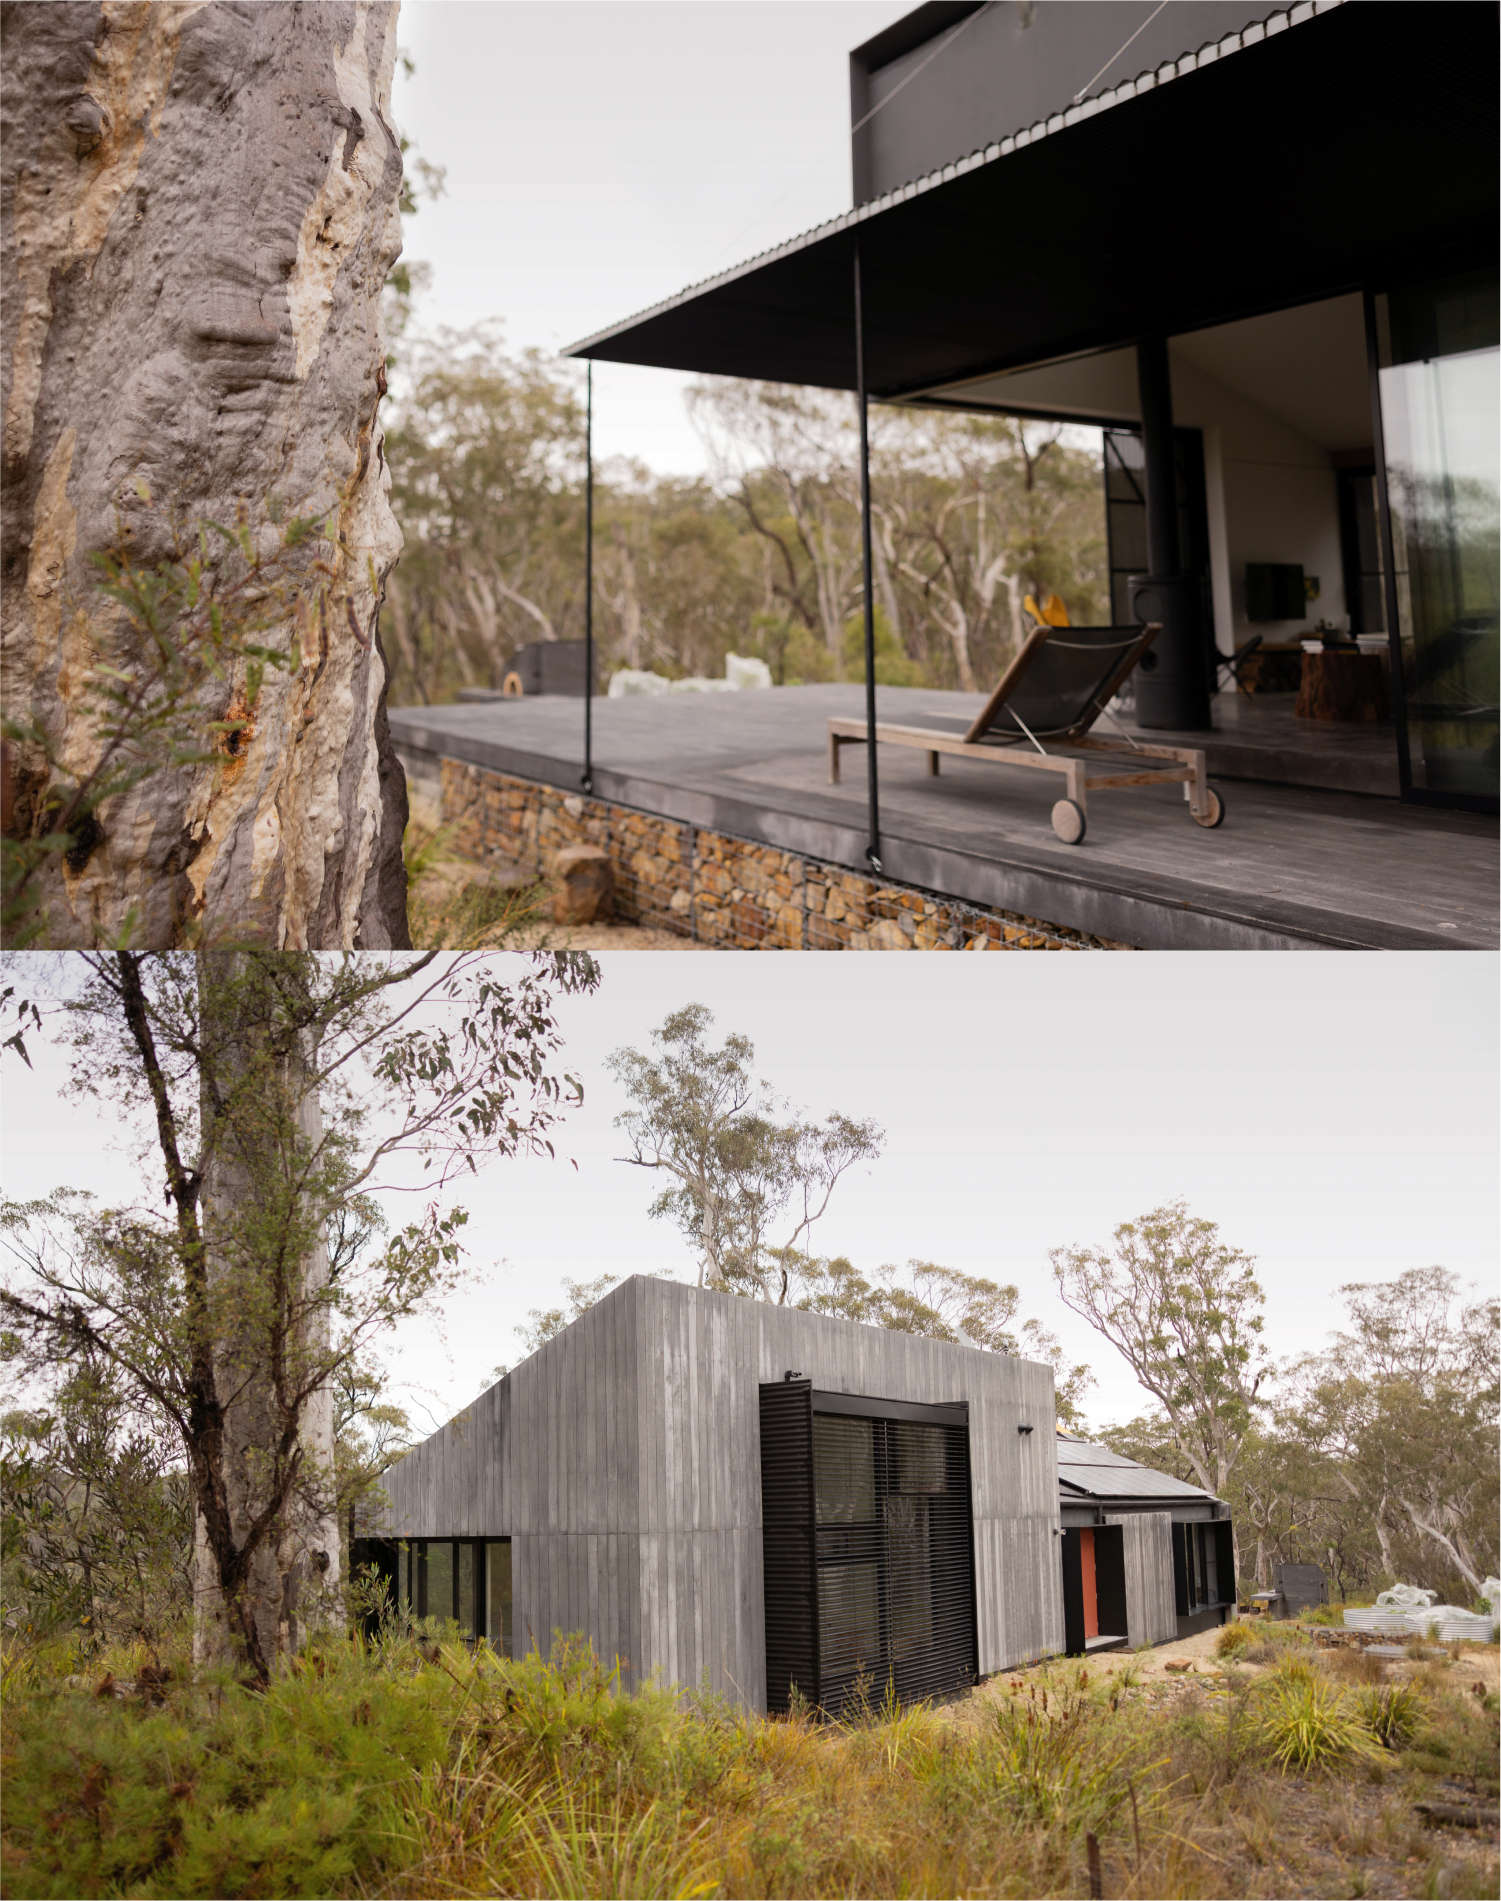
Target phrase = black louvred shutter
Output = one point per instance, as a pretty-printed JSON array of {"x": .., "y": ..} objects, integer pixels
[
  {"x": 787, "y": 1544},
  {"x": 1180, "y": 1569},
  {"x": 895, "y": 1585}
]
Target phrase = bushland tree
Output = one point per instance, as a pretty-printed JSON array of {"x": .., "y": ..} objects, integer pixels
[
  {"x": 201, "y": 213},
  {"x": 1403, "y": 1407},
  {"x": 96, "y": 1516},
  {"x": 1183, "y": 1310},
  {"x": 280, "y": 1086},
  {"x": 742, "y": 1172},
  {"x": 941, "y": 1303},
  {"x": 739, "y": 1168}
]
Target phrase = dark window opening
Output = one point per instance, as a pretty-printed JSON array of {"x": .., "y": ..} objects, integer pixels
[
  {"x": 466, "y": 1581},
  {"x": 1360, "y": 549},
  {"x": 1202, "y": 1567}
]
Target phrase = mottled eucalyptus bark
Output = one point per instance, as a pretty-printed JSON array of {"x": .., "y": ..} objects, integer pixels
[
  {"x": 266, "y": 1516},
  {"x": 200, "y": 207}
]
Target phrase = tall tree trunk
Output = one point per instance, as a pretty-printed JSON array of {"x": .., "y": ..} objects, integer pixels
[
  {"x": 200, "y": 208},
  {"x": 276, "y": 1445}
]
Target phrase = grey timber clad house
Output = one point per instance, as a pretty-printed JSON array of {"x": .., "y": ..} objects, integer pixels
[
  {"x": 1146, "y": 1558},
  {"x": 612, "y": 1484}
]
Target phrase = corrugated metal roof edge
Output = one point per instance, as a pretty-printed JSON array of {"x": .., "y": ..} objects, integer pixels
[{"x": 1207, "y": 54}]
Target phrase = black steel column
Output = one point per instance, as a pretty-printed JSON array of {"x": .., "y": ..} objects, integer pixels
[
  {"x": 588, "y": 779},
  {"x": 1172, "y": 681},
  {"x": 873, "y": 849}
]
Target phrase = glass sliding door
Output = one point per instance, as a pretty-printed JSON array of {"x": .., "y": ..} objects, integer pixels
[
  {"x": 1437, "y": 360},
  {"x": 435, "y": 1558}
]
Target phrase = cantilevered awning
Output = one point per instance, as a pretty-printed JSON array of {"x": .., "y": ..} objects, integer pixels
[{"x": 1330, "y": 148}]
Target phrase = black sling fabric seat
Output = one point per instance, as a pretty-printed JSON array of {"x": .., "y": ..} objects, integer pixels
[{"x": 1040, "y": 716}]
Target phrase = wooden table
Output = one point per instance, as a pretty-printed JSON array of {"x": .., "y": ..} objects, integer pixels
[{"x": 1343, "y": 685}]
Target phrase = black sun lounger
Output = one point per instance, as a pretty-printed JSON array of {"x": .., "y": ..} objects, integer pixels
[{"x": 1039, "y": 717}]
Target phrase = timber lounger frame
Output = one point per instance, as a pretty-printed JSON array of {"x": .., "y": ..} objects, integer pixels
[{"x": 1063, "y": 711}]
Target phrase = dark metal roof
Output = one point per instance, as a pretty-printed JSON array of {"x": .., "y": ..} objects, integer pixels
[
  {"x": 1339, "y": 144},
  {"x": 1091, "y": 1471}
]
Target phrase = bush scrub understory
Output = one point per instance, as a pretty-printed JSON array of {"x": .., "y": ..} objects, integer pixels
[{"x": 411, "y": 1767}]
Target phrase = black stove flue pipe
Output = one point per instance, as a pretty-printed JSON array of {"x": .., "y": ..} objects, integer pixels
[{"x": 1172, "y": 682}]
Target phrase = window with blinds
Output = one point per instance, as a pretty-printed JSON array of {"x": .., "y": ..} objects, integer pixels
[{"x": 872, "y": 1590}]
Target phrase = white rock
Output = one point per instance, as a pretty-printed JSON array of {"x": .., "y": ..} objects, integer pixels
[{"x": 698, "y": 685}]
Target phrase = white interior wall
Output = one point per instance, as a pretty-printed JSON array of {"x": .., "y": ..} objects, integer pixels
[{"x": 1277, "y": 501}]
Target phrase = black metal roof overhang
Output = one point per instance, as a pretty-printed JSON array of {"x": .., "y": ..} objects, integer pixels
[{"x": 1354, "y": 147}]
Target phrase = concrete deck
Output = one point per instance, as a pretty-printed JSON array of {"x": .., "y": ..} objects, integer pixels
[{"x": 1291, "y": 868}]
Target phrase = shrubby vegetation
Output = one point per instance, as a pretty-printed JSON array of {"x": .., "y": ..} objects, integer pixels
[{"x": 413, "y": 1766}]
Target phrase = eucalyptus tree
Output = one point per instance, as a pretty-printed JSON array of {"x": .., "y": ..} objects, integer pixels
[
  {"x": 1403, "y": 1408},
  {"x": 941, "y": 1303},
  {"x": 1183, "y": 1309},
  {"x": 281, "y": 1089},
  {"x": 201, "y": 210},
  {"x": 739, "y": 1169}
]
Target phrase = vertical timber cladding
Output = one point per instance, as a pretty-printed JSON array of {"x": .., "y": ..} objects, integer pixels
[{"x": 873, "y": 1588}]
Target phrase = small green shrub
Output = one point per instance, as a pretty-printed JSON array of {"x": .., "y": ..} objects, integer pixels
[
  {"x": 1304, "y": 1723},
  {"x": 1391, "y": 1713},
  {"x": 1234, "y": 1640}
]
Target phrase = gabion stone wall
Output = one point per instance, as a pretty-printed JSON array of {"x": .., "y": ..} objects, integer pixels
[{"x": 724, "y": 891}]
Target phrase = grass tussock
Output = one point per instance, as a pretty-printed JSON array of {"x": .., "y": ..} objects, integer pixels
[{"x": 415, "y": 1768}]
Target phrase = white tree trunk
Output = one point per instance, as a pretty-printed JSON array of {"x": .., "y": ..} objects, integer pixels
[{"x": 200, "y": 211}]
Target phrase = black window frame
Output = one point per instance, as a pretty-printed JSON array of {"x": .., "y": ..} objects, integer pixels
[{"x": 412, "y": 1587}]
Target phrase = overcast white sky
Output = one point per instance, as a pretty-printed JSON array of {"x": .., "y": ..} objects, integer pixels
[
  {"x": 604, "y": 154},
  {"x": 1336, "y": 1115}
]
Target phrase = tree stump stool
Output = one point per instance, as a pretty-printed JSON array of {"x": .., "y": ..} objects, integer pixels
[{"x": 1343, "y": 686}]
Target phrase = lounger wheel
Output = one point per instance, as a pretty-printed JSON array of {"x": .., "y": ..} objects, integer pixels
[
  {"x": 1213, "y": 813},
  {"x": 1068, "y": 821}
]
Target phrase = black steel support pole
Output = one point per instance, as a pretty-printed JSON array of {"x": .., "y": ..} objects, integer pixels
[
  {"x": 873, "y": 849},
  {"x": 588, "y": 779}
]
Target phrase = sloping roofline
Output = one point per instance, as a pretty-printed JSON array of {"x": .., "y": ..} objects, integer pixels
[
  {"x": 988, "y": 154},
  {"x": 1019, "y": 252}
]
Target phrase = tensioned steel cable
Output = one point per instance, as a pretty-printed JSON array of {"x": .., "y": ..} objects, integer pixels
[
  {"x": 1119, "y": 50},
  {"x": 963, "y": 24},
  {"x": 879, "y": 106}
]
